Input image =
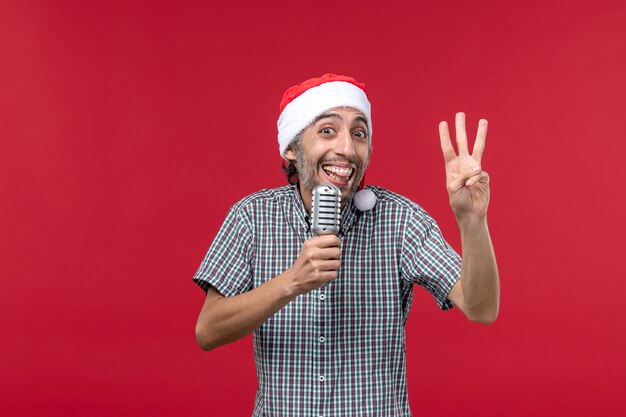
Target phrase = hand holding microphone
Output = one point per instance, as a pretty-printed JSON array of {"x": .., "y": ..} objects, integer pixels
[{"x": 318, "y": 261}]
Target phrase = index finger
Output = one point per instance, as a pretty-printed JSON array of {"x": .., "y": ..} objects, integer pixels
[
  {"x": 327, "y": 241},
  {"x": 446, "y": 143}
]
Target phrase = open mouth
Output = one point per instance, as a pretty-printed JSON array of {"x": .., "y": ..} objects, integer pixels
[{"x": 338, "y": 174}]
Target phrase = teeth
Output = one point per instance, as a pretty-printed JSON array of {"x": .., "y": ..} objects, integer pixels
[{"x": 338, "y": 170}]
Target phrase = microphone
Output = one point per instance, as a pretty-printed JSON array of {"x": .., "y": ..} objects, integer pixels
[{"x": 326, "y": 209}]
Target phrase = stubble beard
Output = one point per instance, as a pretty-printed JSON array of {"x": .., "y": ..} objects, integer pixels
[{"x": 307, "y": 170}]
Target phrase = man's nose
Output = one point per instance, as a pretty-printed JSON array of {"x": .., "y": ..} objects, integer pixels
[{"x": 344, "y": 145}]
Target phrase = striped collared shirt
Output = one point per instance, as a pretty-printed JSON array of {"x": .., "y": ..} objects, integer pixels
[{"x": 338, "y": 350}]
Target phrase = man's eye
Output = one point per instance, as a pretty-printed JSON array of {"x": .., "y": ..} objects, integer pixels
[
  {"x": 360, "y": 134},
  {"x": 327, "y": 130}
]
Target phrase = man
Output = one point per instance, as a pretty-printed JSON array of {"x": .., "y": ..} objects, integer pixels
[{"x": 328, "y": 312}]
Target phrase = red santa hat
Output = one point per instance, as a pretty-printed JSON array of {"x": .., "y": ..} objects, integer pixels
[{"x": 303, "y": 102}]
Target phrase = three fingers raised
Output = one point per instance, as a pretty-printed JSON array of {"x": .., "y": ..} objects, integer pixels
[{"x": 461, "y": 139}]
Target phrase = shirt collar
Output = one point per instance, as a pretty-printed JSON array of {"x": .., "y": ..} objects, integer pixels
[
  {"x": 349, "y": 215},
  {"x": 298, "y": 216}
]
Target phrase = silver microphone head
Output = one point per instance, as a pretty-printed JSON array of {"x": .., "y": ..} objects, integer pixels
[{"x": 326, "y": 209}]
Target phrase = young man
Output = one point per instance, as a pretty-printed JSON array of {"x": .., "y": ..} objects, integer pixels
[{"x": 328, "y": 312}]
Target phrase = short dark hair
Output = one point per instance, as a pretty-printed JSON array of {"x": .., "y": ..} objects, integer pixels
[{"x": 290, "y": 171}]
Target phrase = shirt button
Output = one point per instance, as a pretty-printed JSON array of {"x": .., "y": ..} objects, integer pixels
[
  {"x": 321, "y": 378},
  {"x": 322, "y": 297},
  {"x": 322, "y": 339}
]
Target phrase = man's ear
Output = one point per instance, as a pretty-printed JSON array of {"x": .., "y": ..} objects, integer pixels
[{"x": 290, "y": 154}]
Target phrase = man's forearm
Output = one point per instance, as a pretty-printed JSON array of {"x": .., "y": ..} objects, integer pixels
[
  {"x": 226, "y": 319},
  {"x": 479, "y": 272}
]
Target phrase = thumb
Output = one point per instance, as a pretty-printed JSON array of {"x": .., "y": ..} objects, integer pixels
[{"x": 466, "y": 173}]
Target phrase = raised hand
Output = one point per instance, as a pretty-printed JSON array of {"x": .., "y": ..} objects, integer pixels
[{"x": 467, "y": 183}]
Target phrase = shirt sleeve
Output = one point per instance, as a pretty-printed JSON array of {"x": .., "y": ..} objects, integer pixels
[
  {"x": 428, "y": 260},
  {"x": 227, "y": 266}
]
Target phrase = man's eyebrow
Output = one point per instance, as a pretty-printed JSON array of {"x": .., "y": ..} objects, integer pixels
[
  {"x": 327, "y": 115},
  {"x": 338, "y": 116},
  {"x": 361, "y": 119}
]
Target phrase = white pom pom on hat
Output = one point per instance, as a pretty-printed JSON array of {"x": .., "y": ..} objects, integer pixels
[{"x": 364, "y": 199}]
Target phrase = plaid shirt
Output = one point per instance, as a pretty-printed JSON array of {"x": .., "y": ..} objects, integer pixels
[{"x": 338, "y": 350}]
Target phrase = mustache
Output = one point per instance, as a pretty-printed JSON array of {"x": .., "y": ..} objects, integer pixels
[{"x": 352, "y": 161}]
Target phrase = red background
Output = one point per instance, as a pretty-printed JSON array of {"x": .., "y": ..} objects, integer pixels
[{"x": 129, "y": 128}]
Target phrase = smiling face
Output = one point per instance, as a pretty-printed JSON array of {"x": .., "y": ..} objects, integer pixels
[{"x": 334, "y": 149}]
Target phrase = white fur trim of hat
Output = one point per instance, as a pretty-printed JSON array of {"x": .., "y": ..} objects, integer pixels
[{"x": 300, "y": 112}]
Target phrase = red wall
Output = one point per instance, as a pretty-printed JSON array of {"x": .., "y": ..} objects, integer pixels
[{"x": 127, "y": 129}]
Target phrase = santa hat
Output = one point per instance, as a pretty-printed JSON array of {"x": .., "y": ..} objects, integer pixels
[{"x": 303, "y": 102}]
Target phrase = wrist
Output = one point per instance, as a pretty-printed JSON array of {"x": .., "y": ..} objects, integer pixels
[
  {"x": 471, "y": 223},
  {"x": 285, "y": 284}
]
